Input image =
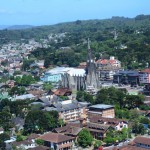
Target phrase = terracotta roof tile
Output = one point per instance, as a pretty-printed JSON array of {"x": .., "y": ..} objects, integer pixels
[
  {"x": 142, "y": 140},
  {"x": 55, "y": 137}
]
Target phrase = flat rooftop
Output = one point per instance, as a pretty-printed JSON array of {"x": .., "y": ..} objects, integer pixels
[{"x": 102, "y": 106}]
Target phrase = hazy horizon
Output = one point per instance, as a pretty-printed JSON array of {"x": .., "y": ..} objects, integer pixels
[{"x": 49, "y": 12}]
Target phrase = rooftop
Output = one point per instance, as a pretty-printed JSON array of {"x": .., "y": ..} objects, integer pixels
[
  {"x": 102, "y": 106},
  {"x": 142, "y": 140},
  {"x": 55, "y": 137}
]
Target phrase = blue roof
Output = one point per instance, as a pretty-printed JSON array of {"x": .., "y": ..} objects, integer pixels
[{"x": 128, "y": 72}]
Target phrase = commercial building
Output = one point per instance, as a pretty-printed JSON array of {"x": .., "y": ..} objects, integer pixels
[
  {"x": 102, "y": 110},
  {"x": 127, "y": 77}
]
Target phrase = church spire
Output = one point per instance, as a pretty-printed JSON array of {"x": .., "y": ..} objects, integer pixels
[{"x": 89, "y": 44}]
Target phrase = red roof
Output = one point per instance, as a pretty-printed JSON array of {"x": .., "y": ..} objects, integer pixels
[
  {"x": 106, "y": 61},
  {"x": 146, "y": 70}
]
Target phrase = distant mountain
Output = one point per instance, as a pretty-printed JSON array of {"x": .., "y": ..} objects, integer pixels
[
  {"x": 3, "y": 27},
  {"x": 19, "y": 27}
]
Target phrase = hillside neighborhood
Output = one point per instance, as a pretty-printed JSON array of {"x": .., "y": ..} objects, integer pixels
[{"x": 96, "y": 105}]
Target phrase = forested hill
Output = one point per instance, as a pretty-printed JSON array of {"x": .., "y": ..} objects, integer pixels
[{"x": 126, "y": 38}]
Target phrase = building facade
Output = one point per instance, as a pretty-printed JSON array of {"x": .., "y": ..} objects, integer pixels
[
  {"x": 57, "y": 141},
  {"x": 106, "y": 111},
  {"x": 144, "y": 76},
  {"x": 126, "y": 77}
]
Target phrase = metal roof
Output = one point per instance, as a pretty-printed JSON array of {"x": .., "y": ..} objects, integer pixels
[{"x": 101, "y": 106}]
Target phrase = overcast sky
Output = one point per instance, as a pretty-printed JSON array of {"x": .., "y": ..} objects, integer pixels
[{"x": 46, "y": 12}]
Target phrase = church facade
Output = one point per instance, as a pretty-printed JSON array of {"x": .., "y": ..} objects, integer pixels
[{"x": 91, "y": 73}]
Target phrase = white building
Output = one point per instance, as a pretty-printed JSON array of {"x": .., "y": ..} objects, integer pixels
[{"x": 144, "y": 76}]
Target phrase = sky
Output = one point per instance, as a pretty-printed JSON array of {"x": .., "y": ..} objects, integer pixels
[{"x": 47, "y": 12}]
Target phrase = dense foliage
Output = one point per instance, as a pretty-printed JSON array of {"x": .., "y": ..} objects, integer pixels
[
  {"x": 38, "y": 121},
  {"x": 118, "y": 97},
  {"x": 85, "y": 138}
]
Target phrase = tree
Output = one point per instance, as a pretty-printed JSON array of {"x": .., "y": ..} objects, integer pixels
[
  {"x": 85, "y": 138},
  {"x": 138, "y": 128},
  {"x": 39, "y": 142},
  {"x": 5, "y": 118},
  {"x": 3, "y": 137},
  {"x": 97, "y": 144},
  {"x": 47, "y": 86},
  {"x": 61, "y": 122},
  {"x": 84, "y": 96},
  {"x": 19, "y": 138},
  {"x": 38, "y": 121}
]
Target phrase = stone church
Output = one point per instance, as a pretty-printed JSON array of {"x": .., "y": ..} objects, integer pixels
[
  {"x": 91, "y": 73},
  {"x": 75, "y": 78}
]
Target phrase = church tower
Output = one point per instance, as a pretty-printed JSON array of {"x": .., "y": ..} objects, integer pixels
[{"x": 92, "y": 77}]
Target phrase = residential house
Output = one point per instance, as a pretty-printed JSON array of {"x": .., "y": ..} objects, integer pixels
[
  {"x": 69, "y": 130},
  {"x": 57, "y": 141},
  {"x": 98, "y": 126},
  {"x": 106, "y": 68},
  {"x": 37, "y": 93},
  {"x": 106, "y": 111},
  {"x": 139, "y": 143},
  {"x": 105, "y": 62},
  {"x": 25, "y": 96},
  {"x": 98, "y": 131},
  {"x": 28, "y": 143},
  {"x": 117, "y": 124},
  {"x": 63, "y": 92}
]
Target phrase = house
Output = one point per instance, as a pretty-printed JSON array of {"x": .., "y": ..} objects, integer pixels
[
  {"x": 98, "y": 131},
  {"x": 139, "y": 143},
  {"x": 41, "y": 147},
  {"x": 144, "y": 76},
  {"x": 37, "y": 93},
  {"x": 106, "y": 68},
  {"x": 127, "y": 77},
  {"x": 117, "y": 124},
  {"x": 57, "y": 141},
  {"x": 1, "y": 130},
  {"x": 69, "y": 130},
  {"x": 63, "y": 92},
  {"x": 25, "y": 96},
  {"x": 107, "y": 62},
  {"x": 106, "y": 111},
  {"x": 142, "y": 141},
  {"x": 28, "y": 143},
  {"x": 98, "y": 126}
]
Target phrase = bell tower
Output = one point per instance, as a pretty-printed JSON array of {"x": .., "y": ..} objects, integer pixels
[{"x": 92, "y": 77}]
